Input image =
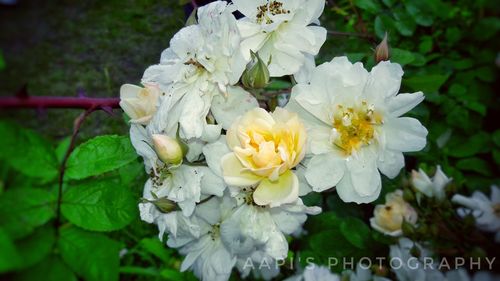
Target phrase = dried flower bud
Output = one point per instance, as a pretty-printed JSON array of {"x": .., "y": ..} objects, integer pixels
[
  {"x": 256, "y": 74},
  {"x": 382, "y": 50},
  {"x": 168, "y": 149},
  {"x": 162, "y": 204}
]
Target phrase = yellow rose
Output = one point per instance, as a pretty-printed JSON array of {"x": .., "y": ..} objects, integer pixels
[
  {"x": 265, "y": 148},
  {"x": 139, "y": 103},
  {"x": 388, "y": 218}
]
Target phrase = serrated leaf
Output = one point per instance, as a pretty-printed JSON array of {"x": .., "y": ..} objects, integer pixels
[
  {"x": 27, "y": 152},
  {"x": 356, "y": 232},
  {"x": 9, "y": 257},
  {"x": 51, "y": 268},
  {"x": 93, "y": 256},
  {"x": 34, "y": 248},
  {"x": 99, "y": 155},
  {"x": 99, "y": 205},
  {"x": 24, "y": 209}
]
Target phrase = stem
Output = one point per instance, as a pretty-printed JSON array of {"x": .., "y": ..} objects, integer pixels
[
  {"x": 59, "y": 102},
  {"x": 194, "y": 4},
  {"x": 62, "y": 168},
  {"x": 361, "y": 35}
]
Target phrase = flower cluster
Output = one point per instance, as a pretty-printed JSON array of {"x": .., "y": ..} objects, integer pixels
[{"x": 225, "y": 175}]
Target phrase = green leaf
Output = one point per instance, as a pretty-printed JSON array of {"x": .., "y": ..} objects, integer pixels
[
  {"x": 496, "y": 137},
  {"x": 461, "y": 148},
  {"x": 356, "y": 232},
  {"x": 157, "y": 248},
  {"x": 383, "y": 24},
  {"x": 474, "y": 164},
  {"x": 93, "y": 256},
  {"x": 37, "y": 246},
  {"x": 62, "y": 148},
  {"x": 2, "y": 62},
  {"x": 419, "y": 13},
  {"x": 277, "y": 85},
  {"x": 99, "y": 205},
  {"x": 369, "y": 5},
  {"x": 27, "y": 152},
  {"x": 426, "y": 83},
  {"x": 404, "y": 23},
  {"x": 401, "y": 56},
  {"x": 51, "y": 268},
  {"x": 9, "y": 257},
  {"x": 99, "y": 155},
  {"x": 23, "y": 209}
]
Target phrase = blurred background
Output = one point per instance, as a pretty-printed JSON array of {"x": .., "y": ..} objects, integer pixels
[{"x": 450, "y": 50}]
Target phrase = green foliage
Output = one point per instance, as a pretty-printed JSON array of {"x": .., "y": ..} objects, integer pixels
[
  {"x": 24, "y": 209},
  {"x": 99, "y": 205},
  {"x": 51, "y": 268},
  {"x": 2, "y": 61},
  {"x": 92, "y": 256},
  {"x": 9, "y": 258},
  {"x": 99, "y": 155},
  {"x": 38, "y": 158}
]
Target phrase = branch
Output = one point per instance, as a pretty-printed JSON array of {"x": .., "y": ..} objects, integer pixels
[
  {"x": 361, "y": 35},
  {"x": 59, "y": 102},
  {"x": 62, "y": 168},
  {"x": 194, "y": 4}
]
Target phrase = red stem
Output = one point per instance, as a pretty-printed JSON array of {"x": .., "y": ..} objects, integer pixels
[{"x": 59, "y": 102}]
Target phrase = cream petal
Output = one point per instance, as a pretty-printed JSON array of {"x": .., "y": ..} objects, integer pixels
[
  {"x": 235, "y": 174},
  {"x": 284, "y": 190}
]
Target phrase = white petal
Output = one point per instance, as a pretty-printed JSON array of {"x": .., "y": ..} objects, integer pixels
[
  {"x": 237, "y": 103},
  {"x": 403, "y": 103},
  {"x": 347, "y": 193},
  {"x": 390, "y": 163},
  {"x": 364, "y": 176},
  {"x": 213, "y": 154},
  {"x": 384, "y": 80},
  {"x": 405, "y": 134},
  {"x": 325, "y": 171}
]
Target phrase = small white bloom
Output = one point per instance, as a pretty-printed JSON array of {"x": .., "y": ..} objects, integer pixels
[
  {"x": 139, "y": 103},
  {"x": 412, "y": 268},
  {"x": 196, "y": 73},
  {"x": 430, "y": 188},
  {"x": 314, "y": 272},
  {"x": 485, "y": 210},
  {"x": 180, "y": 183},
  {"x": 354, "y": 126},
  {"x": 281, "y": 32},
  {"x": 388, "y": 218},
  {"x": 208, "y": 257}
]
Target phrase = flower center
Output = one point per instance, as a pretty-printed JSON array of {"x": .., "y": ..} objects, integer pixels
[
  {"x": 273, "y": 8},
  {"x": 215, "y": 231},
  {"x": 354, "y": 127}
]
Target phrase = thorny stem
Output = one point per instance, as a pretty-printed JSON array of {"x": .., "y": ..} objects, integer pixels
[
  {"x": 62, "y": 168},
  {"x": 194, "y": 4},
  {"x": 59, "y": 102},
  {"x": 361, "y": 35}
]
